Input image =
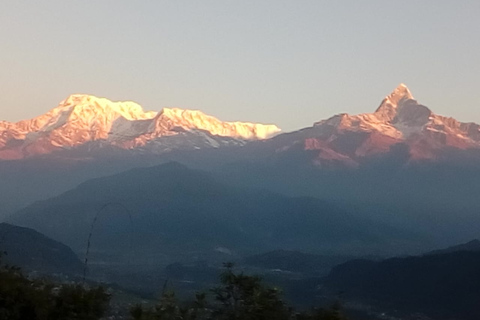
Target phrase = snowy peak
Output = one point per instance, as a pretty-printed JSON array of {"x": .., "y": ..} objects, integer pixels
[
  {"x": 394, "y": 102},
  {"x": 399, "y": 116},
  {"x": 84, "y": 105},
  {"x": 84, "y": 111},
  {"x": 400, "y": 93},
  {"x": 398, "y": 119}
]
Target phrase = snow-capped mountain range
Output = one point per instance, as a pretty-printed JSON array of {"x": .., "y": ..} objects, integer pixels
[{"x": 85, "y": 120}]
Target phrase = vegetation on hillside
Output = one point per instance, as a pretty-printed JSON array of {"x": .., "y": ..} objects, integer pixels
[
  {"x": 238, "y": 297},
  {"x": 22, "y": 298}
]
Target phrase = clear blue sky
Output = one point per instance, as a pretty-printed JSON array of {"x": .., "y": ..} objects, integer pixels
[{"x": 286, "y": 62}]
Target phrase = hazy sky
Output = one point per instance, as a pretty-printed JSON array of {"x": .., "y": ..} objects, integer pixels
[{"x": 286, "y": 62}]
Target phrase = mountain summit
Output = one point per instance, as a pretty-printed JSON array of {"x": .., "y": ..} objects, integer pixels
[
  {"x": 399, "y": 120},
  {"x": 391, "y": 105},
  {"x": 398, "y": 116},
  {"x": 85, "y": 119}
]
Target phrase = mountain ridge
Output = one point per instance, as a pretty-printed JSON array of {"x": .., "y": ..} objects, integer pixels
[{"x": 82, "y": 119}]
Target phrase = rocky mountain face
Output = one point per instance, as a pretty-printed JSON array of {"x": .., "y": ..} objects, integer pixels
[{"x": 84, "y": 120}]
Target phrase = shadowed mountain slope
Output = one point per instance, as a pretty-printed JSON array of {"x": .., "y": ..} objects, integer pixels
[
  {"x": 32, "y": 251},
  {"x": 171, "y": 210},
  {"x": 441, "y": 286}
]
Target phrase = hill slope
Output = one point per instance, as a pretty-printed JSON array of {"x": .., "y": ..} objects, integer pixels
[
  {"x": 442, "y": 286},
  {"x": 32, "y": 251}
]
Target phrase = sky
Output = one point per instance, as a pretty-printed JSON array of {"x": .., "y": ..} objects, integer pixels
[{"x": 291, "y": 63}]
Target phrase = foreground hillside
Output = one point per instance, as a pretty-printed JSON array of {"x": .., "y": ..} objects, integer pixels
[
  {"x": 416, "y": 287},
  {"x": 441, "y": 286}
]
